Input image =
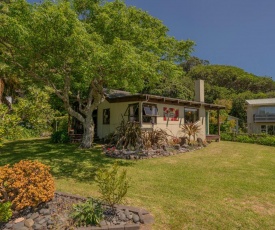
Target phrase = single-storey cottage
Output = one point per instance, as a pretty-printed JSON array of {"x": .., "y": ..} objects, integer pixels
[{"x": 153, "y": 111}]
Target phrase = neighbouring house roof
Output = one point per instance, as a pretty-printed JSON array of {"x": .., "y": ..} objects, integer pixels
[
  {"x": 265, "y": 101},
  {"x": 114, "y": 96},
  {"x": 233, "y": 118}
]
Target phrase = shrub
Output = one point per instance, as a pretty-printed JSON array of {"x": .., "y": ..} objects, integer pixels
[
  {"x": 60, "y": 137},
  {"x": 5, "y": 211},
  {"x": 89, "y": 212},
  {"x": 157, "y": 137},
  {"x": 267, "y": 140},
  {"x": 27, "y": 183},
  {"x": 190, "y": 129},
  {"x": 127, "y": 135},
  {"x": 244, "y": 139},
  {"x": 261, "y": 139},
  {"x": 226, "y": 137},
  {"x": 113, "y": 185}
]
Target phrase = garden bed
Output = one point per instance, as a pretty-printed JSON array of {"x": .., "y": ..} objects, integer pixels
[
  {"x": 151, "y": 153},
  {"x": 55, "y": 215}
]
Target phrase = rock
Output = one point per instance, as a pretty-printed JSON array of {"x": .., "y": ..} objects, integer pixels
[
  {"x": 34, "y": 215},
  {"x": 129, "y": 216},
  {"x": 45, "y": 211},
  {"x": 122, "y": 217},
  {"x": 103, "y": 223},
  {"x": 19, "y": 220},
  {"x": 177, "y": 146},
  {"x": 24, "y": 228},
  {"x": 18, "y": 226},
  {"x": 126, "y": 212},
  {"x": 37, "y": 226},
  {"x": 141, "y": 219},
  {"x": 42, "y": 221},
  {"x": 8, "y": 225},
  {"x": 29, "y": 223},
  {"x": 183, "y": 141},
  {"x": 50, "y": 222},
  {"x": 114, "y": 221},
  {"x": 135, "y": 218}
]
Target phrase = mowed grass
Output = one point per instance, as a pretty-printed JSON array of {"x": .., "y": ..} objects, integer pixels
[{"x": 224, "y": 186}]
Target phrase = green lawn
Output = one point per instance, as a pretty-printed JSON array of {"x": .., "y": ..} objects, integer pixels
[{"x": 224, "y": 186}]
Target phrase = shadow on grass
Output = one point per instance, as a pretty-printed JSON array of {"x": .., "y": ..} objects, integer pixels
[{"x": 65, "y": 160}]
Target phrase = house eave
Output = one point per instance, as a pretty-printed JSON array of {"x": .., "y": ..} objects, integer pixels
[{"x": 163, "y": 100}]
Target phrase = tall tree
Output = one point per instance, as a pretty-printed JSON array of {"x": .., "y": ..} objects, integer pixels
[
  {"x": 192, "y": 62},
  {"x": 78, "y": 48}
]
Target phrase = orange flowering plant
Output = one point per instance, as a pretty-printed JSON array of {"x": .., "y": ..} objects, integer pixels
[{"x": 27, "y": 183}]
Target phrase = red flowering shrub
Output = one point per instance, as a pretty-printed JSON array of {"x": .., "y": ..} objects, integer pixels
[{"x": 27, "y": 183}]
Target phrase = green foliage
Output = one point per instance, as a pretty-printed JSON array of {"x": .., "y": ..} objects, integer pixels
[
  {"x": 87, "y": 213},
  {"x": 78, "y": 47},
  {"x": 156, "y": 137},
  {"x": 244, "y": 139},
  {"x": 261, "y": 139},
  {"x": 192, "y": 62},
  {"x": 5, "y": 211},
  {"x": 177, "y": 87},
  {"x": 227, "y": 136},
  {"x": 267, "y": 140},
  {"x": 113, "y": 185},
  {"x": 232, "y": 83},
  {"x": 29, "y": 116},
  {"x": 231, "y": 77},
  {"x": 127, "y": 135},
  {"x": 60, "y": 137}
]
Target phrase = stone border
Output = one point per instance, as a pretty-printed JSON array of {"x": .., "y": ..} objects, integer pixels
[{"x": 145, "y": 217}]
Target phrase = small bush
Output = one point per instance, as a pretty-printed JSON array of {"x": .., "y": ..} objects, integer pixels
[
  {"x": 267, "y": 140},
  {"x": 156, "y": 137},
  {"x": 5, "y": 211},
  {"x": 113, "y": 185},
  {"x": 60, "y": 137},
  {"x": 244, "y": 139},
  {"x": 190, "y": 129},
  {"x": 262, "y": 139},
  {"x": 27, "y": 183},
  {"x": 89, "y": 212},
  {"x": 226, "y": 137}
]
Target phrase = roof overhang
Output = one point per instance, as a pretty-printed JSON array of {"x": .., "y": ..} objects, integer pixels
[{"x": 162, "y": 100}]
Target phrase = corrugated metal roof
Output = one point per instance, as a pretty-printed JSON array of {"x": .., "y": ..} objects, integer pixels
[{"x": 265, "y": 101}]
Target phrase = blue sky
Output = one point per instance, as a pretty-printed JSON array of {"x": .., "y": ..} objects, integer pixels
[{"x": 228, "y": 32}]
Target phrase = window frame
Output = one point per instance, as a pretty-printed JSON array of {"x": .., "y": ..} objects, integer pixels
[
  {"x": 106, "y": 120},
  {"x": 135, "y": 116},
  {"x": 149, "y": 118},
  {"x": 191, "y": 109}
]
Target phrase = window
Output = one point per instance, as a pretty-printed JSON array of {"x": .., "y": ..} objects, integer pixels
[
  {"x": 191, "y": 115},
  {"x": 132, "y": 112},
  {"x": 106, "y": 116},
  {"x": 263, "y": 128},
  {"x": 149, "y": 113},
  {"x": 268, "y": 129},
  {"x": 266, "y": 111},
  {"x": 271, "y": 129}
]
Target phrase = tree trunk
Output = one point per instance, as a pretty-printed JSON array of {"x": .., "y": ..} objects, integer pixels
[
  {"x": 88, "y": 135},
  {"x": 2, "y": 86}
]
